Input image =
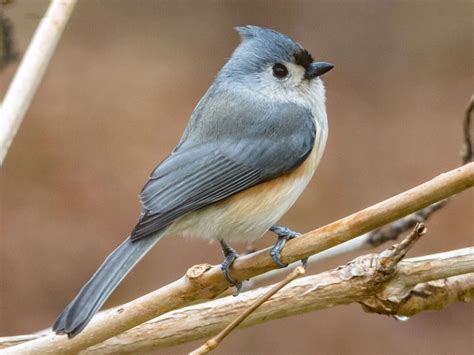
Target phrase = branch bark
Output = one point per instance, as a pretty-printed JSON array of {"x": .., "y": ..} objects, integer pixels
[
  {"x": 31, "y": 71},
  {"x": 364, "y": 242},
  {"x": 361, "y": 280},
  {"x": 386, "y": 265},
  {"x": 213, "y": 343},
  {"x": 429, "y": 296},
  {"x": 419, "y": 284},
  {"x": 206, "y": 282}
]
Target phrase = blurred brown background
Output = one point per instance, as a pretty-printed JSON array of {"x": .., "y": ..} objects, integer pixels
[{"x": 118, "y": 93}]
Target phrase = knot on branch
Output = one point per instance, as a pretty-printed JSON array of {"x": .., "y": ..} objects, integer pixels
[
  {"x": 433, "y": 295},
  {"x": 389, "y": 259},
  {"x": 198, "y": 278},
  {"x": 401, "y": 306},
  {"x": 362, "y": 266},
  {"x": 194, "y": 273},
  {"x": 376, "y": 269}
]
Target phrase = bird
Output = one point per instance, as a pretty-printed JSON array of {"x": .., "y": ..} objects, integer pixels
[{"x": 251, "y": 146}]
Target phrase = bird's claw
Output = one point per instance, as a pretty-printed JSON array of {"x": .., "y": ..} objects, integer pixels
[
  {"x": 230, "y": 256},
  {"x": 275, "y": 252},
  {"x": 284, "y": 234}
]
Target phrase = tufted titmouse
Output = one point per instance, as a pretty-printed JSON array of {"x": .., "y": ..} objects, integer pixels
[{"x": 250, "y": 148}]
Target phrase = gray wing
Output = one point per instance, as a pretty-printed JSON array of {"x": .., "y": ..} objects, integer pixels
[{"x": 235, "y": 148}]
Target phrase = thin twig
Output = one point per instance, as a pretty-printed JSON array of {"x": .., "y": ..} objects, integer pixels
[
  {"x": 8, "y": 51},
  {"x": 466, "y": 152},
  {"x": 395, "y": 229},
  {"x": 213, "y": 343},
  {"x": 206, "y": 281},
  {"x": 31, "y": 71}
]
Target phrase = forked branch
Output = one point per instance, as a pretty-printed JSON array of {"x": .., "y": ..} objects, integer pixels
[
  {"x": 363, "y": 280},
  {"x": 387, "y": 264},
  {"x": 206, "y": 281}
]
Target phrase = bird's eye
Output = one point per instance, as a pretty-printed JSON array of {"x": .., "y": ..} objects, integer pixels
[{"x": 280, "y": 71}]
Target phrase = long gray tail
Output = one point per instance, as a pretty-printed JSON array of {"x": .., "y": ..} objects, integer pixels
[{"x": 95, "y": 292}]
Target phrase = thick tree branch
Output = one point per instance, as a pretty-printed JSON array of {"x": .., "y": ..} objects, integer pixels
[
  {"x": 364, "y": 242},
  {"x": 388, "y": 262},
  {"x": 213, "y": 343},
  {"x": 206, "y": 281},
  {"x": 361, "y": 280},
  {"x": 31, "y": 71},
  {"x": 446, "y": 278}
]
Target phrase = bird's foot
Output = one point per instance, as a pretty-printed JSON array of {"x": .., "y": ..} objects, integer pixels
[
  {"x": 230, "y": 256},
  {"x": 284, "y": 234}
]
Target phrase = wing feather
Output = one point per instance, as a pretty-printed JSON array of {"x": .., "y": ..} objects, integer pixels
[
  {"x": 217, "y": 160},
  {"x": 223, "y": 178}
]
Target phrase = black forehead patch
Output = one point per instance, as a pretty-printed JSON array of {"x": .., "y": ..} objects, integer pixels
[{"x": 303, "y": 58}]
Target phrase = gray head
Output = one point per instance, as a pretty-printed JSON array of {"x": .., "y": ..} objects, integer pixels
[{"x": 272, "y": 63}]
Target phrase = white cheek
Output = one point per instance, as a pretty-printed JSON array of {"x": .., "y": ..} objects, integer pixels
[
  {"x": 281, "y": 90},
  {"x": 295, "y": 78},
  {"x": 294, "y": 89},
  {"x": 297, "y": 71},
  {"x": 285, "y": 85}
]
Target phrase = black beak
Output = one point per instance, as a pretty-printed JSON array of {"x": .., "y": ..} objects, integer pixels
[{"x": 316, "y": 69}]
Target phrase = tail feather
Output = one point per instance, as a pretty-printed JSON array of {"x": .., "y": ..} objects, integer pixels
[{"x": 97, "y": 290}]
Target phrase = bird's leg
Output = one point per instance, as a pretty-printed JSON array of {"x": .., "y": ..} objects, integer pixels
[
  {"x": 283, "y": 234},
  {"x": 230, "y": 255}
]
